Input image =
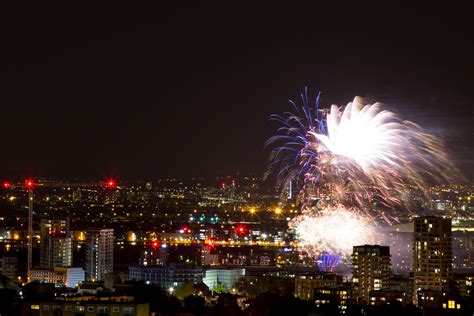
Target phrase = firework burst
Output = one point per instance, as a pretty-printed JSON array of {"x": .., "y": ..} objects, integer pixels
[
  {"x": 332, "y": 231},
  {"x": 351, "y": 164},
  {"x": 355, "y": 155}
]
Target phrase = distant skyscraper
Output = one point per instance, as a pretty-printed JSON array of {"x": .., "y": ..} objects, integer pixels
[
  {"x": 56, "y": 243},
  {"x": 99, "y": 253},
  {"x": 371, "y": 270},
  {"x": 432, "y": 254}
]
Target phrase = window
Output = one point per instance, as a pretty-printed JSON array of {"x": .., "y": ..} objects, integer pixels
[
  {"x": 90, "y": 308},
  {"x": 128, "y": 311},
  {"x": 115, "y": 309},
  {"x": 68, "y": 308},
  {"x": 46, "y": 307},
  {"x": 451, "y": 304}
]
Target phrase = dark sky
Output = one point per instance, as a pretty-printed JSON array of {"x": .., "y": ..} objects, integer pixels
[{"x": 141, "y": 91}]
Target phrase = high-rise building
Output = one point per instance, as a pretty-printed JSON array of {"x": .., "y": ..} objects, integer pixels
[
  {"x": 99, "y": 253},
  {"x": 371, "y": 270},
  {"x": 56, "y": 243},
  {"x": 432, "y": 255}
]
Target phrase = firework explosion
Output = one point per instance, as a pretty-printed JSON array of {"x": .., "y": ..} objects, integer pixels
[
  {"x": 349, "y": 163},
  {"x": 355, "y": 155},
  {"x": 332, "y": 231}
]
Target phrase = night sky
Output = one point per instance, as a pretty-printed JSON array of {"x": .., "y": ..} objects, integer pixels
[{"x": 141, "y": 91}]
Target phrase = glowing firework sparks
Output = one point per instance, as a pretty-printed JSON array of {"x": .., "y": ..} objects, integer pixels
[
  {"x": 345, "y": 159},
  {"x": 355, "y": 154},
  {"x": 332, "y": 231}
]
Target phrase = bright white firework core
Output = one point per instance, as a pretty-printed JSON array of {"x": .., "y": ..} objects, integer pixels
[
  {"x": 362, "y": 133},
  {"x": 334, "y": 231}
]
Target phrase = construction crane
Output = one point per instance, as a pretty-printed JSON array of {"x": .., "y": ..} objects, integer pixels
[{"x": 29, "y": 184}]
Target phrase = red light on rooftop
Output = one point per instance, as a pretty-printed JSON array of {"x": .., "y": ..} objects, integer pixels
[
  {"x": 241, "y": 229},
  {"x": 29, "y": 183},
  {"x": 155, "y": 244},
  {"x": 6, "y": 184},
  {"x": 111, "y": 183}
]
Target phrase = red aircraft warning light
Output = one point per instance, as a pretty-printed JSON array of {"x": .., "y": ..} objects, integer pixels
[
  {"x": 29, "y": 184},
  {"x": 155, "y": 244},
  {"x": 6, "y": 184},
  {"x": 241, "y": 229},
  {"x": 111, "y": 183}
]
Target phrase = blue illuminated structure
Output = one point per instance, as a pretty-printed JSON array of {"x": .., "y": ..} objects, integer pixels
[{"x": 328, "y": 262}]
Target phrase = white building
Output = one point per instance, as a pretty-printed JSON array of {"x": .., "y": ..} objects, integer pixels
[
  {"x": 60, "y": 276},
  {"x": 226, "y": 277}
]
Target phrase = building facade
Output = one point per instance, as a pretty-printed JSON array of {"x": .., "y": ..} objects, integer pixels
[
  {"x": 8, "y": 267},
  {"x": 432, "y": 255},
  {"x": 56, "y": 243},
  {"x": 99, "y": 253},
  {"x": 166, "y": 277},
  {"x": 371, "y": 270},
  {"x": 87, "y": 308},
  {"x": 60, "y": 276},
  {"x": 226, "y": 277},
  {"x": 305, "y": 285}
]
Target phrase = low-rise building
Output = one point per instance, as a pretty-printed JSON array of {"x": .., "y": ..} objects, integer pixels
[
  {"x": 86, "y": 308},
  {"x": 338, "y": 296},
  {"x": 60, "y": 276},
  {"x": 226, "y": 277},
  {"x": 305, "y": 285},
  {"x": 382, "y": 297},
  {"x": 166, "y": 277}
]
